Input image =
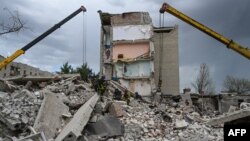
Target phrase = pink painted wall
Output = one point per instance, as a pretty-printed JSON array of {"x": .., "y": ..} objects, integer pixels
[{"x": 130, "y": 50}]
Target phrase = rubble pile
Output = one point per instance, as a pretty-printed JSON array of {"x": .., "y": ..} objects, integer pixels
[
  {"x": 69, "y": 109},
  {"x": 20, "y": 106},
  {"x": 19, "y": 109},
  {"x": 172, "y": 119},
  {"x": 166, "y": 123},
  {"x": 73, "y": 92}
]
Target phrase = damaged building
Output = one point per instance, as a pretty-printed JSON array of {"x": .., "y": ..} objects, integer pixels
[
  {"x": 139, "y": 55},
  {"x": 20, "y": 69},
  {"x": 221, "y": 102}
]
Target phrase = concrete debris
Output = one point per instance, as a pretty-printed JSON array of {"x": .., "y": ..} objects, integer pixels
[
  {"x": 5, "y": 86},
  {"x": 107, "y": 127},
  {"x": 25, "y": 79},
  {"x": 66, "y": 108},
  {"x": 244, "y": 105},
  {"x": 119, "y": 86},
  {"x": 165, "y": 121},
  {"x": 20, "y": 110},
  {"x": 73, "y": 130},
  {"x": 2, "y": 96},
  {"x": 34, "y": 137},
  {"x": 49, "y": 116},
  {"x": 134, "y": 103},
  {"x": 186, "y": 100},
  {"x": 180, "y": 124},
  {"x": 28, "y": 85},
  {"x": 243, "y": 113},
  {"x": 45, "y": 103},
  {"x": 116, "y": 110},
  {"x": 232, "y": 109}
]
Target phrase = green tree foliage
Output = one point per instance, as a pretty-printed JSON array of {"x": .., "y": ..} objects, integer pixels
[
  {"x": 66, "y": 68},
  {"x": 85, "y": 72}
]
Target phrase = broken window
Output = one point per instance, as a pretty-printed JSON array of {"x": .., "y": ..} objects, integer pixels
[
  {"x": 12, "y": 68},
  {"x": 125, "y": 68},
  {"x": 107, "y": 53},
  {"x": 240, "y": 101},
  {"x": 120, "y": 56}
]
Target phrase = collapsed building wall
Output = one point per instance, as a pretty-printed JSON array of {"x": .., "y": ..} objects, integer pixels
[
  {"x": 220, "y": 102},
  {"x": 20, "y": 69},
  {"x": 227, "y": 100},
  {"x": 205, "y": 103},
  {"x": 128, "y": 52}
]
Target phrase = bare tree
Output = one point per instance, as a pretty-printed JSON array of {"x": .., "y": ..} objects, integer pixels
[
  {"x": 203, "y": 82},
  {"x": 12, "y": 24},
  {"x": 238, "y": 85}
]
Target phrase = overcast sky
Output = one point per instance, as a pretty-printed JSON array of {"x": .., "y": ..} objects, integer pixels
[{"x": 229, "y": 17}]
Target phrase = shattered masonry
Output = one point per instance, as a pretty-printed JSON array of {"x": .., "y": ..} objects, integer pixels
[{"x": 130, "y": 53}]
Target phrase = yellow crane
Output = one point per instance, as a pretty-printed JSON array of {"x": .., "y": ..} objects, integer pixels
[
  {"x": 228, "y": 42},
  {"x": 21, "y": 51}
]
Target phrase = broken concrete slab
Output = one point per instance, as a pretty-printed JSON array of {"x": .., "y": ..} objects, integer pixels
[
  {"x": 28, "y": 85},
  {"x": 186, "y": 100},
  {"x": 73, "y": 129},
  {"x": 24, "y": 93},
  {"x": 12, "y": 124},
  {"x": 50, "y": 114},
  {"x": 116, "y": 110},
  {"x": 229, "y": 117},
  {"x": 119, "y": 86},
  {"x": 5, "y": 86},
  {"x": 22, "y": 79},
  {"x": 232, "y": 109},
  {"x": 66, "y": 76},
  {"x": 42, "y": 84},
  {"x": 180, "y": 124},
  {"x": 189, "y": 119},
  {"x": 3, "y": 95},
  {"x": 34, "y": 137},
  {"x": 244, "y": 105},
  {"x": 108, "y": 126}
]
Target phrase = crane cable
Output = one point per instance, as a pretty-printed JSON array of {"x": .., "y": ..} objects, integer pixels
[
  {"x": 161, "y": 25},
  {"x": 84, "y": 40}
]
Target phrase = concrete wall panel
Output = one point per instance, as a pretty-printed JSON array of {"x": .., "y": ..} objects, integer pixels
[
  {"x": 167, "y": 61},
  {"x": 130, "y": 50},
  {"x": 143, "y": 87},
  {"x": 132, "y": 32},
  {"x": 131, "y": 18},
  {"x": 139, "y": 69}
]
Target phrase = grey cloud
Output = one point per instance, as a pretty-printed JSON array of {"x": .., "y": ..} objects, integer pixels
[{"x": 119, "y": 3}]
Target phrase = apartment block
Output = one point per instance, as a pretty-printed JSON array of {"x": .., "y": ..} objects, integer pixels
[
  {"x": 20, "y": 69},
  {"x": 128, "y": 51}
]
